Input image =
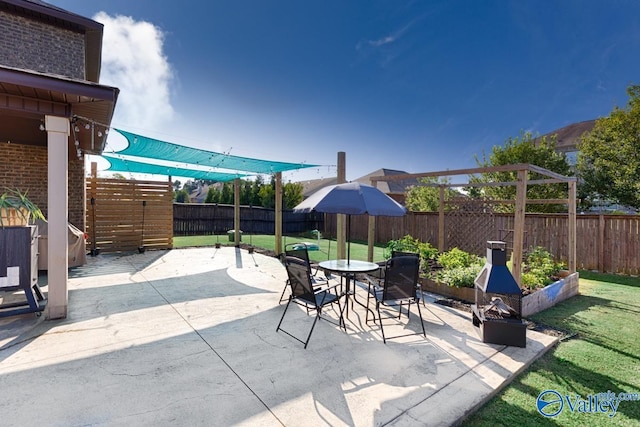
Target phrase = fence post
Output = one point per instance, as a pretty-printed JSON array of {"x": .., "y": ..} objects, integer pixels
[{"x": 601, "y": 228}]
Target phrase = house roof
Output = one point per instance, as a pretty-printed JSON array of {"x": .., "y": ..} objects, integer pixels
[
  {"x": 568, "y": 137},
  {"x": 390, "y": 187},
  {"x": 27, "y": 96}
]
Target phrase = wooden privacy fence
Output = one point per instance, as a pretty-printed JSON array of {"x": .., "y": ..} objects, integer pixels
[
  {"x": 606, "y": 243},
  {"x": 124, "y": 215},
  {"x": 191, "y": 219}
]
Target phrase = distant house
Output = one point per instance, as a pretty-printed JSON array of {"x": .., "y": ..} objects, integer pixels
[
  {"x": 395, "y": 189},
  {"x": 569, "y": 137}
]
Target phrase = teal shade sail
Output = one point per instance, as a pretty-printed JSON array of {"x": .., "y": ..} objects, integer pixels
[
  {"x": 142, "y": 146},
  {"x": 125, "y": 165}
]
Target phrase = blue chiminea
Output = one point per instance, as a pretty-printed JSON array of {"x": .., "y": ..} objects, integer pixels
[{"x": 497, "y": 312}]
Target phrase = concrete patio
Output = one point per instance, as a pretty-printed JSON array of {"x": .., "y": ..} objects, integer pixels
[{"x": 188, "y": 337}]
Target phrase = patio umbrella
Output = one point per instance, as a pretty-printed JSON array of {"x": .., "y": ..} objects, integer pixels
[{"x": 351, "y": 198}]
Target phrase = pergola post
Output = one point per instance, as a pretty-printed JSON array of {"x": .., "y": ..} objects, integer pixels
[
  {"x": 57, "y": 195},
  {"x": 278, "y": 213},
  {"x": 572, "y": 228},
  {"x": 518, "y": 225},
  {"x": 341, "y": 223},
  {"x": 371, "y": 231},
  {"x": 236, "y": 212},
  {"x": 441, "y": 247}
]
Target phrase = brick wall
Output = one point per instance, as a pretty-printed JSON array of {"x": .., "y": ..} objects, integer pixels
[
  {"x": 38, "y": 46},
  {"x": 25, "y": 167}
]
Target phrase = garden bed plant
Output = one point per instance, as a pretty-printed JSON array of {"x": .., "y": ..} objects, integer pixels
[{"x": 459, "y": 269}]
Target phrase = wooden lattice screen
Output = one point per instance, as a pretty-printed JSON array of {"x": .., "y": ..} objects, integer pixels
[
  {"x": 124, "y": 215},
  {"x": 469, "y": 224}
]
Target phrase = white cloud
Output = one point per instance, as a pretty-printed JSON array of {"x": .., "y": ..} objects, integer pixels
[
  {"x": 383, "y": 41},
  {"x": 133, "y": 60}
]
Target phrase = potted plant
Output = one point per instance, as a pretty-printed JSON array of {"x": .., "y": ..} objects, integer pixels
[{"x": 16, "y": 209}]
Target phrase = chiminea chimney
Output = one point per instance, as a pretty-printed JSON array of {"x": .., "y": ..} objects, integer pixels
[{"x": 495, "y": 277}]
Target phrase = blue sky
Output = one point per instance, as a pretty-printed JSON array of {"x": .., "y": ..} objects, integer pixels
[{"x": 410, "y": 85}]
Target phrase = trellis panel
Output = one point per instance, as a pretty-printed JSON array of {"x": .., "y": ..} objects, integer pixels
[{"x": 123, "y": 215}]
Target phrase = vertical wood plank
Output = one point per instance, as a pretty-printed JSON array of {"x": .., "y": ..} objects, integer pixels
[
  {"x": 518, "y": 224},
  {"x": 278, "y": 213},
  {"x": 572, "y": 227},
  {"x": 441, "y": 244}
]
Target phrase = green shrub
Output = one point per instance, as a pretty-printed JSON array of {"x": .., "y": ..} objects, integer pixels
[
  {"x": 456, "y": 258},
  {"x": 459, "y": 277},
  {"x": 406, "y": 244},
  {"x": 539, "y": 268},
  {"x": 410, "y": 244},
  {"x": 459, "y": 268},
  {"x": 427, "y": 251}
]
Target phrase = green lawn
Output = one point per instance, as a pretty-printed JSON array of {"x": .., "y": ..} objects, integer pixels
[
  {"x": 327, "y": 247},
  {"x": 600, "y": 353}
]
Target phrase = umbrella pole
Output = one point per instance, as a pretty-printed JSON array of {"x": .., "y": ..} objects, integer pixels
[{"x": 348, "y": 239}]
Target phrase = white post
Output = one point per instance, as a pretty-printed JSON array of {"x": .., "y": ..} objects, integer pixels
[{"x": 57, "y": 212}]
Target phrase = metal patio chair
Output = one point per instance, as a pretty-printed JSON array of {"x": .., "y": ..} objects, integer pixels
[
  {"x": 299, "y": 250},
  {"x": 376, "y": 278},
  {"x": 304, "y": 294},
  {"x": 399, "y": 287}
]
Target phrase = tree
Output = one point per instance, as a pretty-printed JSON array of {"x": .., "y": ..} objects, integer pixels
[
  {"x": 182, "y": 196},
  {"x": 292, "y": 194},
  {"x": 176, "y": 185},
  {"x": 609, "y": 156},
  {"x": 246, "y": 192},
  {"x": 189, "y": 186},
  {"x": 267, "y": 196},
  {"x": 255, "y": 191},
  {"x": 523, "y": 149},
  {"x": 213, "y": 195},
  {"x": 227, "y": 194},
  {"x": 427, "y": 198}
]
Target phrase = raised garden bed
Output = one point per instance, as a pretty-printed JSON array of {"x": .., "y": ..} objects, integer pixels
[
  {"x": 532, "y": 303},
  {"x": 550, "y": 295},
  {"x": 463, "y": 294}
]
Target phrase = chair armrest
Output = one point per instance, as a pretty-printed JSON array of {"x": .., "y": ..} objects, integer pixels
[{"x": 324, "y": 288}]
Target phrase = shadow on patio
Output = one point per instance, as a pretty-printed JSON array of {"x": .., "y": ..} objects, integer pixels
[{"x": 188, "y": 336}]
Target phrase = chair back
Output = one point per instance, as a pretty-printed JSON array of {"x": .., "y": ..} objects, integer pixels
[
  {"x": 401, "y": 278},
  {"x": 299, "y": 278},
  {"x": 395, "y": 254},
  {"x": 298, "y": 251}
]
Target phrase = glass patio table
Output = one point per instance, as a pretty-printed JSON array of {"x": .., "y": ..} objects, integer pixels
[{"x": 349, "y": 269}]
